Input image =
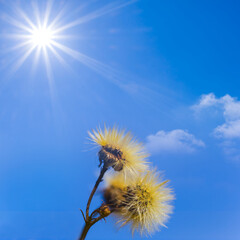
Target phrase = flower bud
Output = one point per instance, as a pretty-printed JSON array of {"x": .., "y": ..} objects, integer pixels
[
  {"x": 111, "y": 157},
  {"x": 104, "y": 210}
]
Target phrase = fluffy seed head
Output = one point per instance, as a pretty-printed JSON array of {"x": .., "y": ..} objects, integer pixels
[
  {"x": 119, "y": 150},
  {"x": 143, "y": 203}
]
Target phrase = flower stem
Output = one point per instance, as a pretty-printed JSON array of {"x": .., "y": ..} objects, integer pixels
[
  {"x": 88, "y": 225},
  {"x": 85, "y": 231},
  {"x": 89, "y": 220},
  {"x": 104, "y": 169}
]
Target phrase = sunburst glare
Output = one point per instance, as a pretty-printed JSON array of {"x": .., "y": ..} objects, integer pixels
[
  {"x": 42, "y": 37},
  {"x": 43, "y": 31}
]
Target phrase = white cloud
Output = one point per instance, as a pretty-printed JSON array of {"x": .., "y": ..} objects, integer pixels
[
  {"x": 206, "y": 100},
  {"x": 176, "y": 140},
  {"x": 230, "y": 108},
  {"x": 229, "y": 130}
]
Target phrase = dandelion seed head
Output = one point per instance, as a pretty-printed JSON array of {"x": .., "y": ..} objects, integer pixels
[
  {"x": 143, "y": 202},
  {"x": 119, "y": 150}
]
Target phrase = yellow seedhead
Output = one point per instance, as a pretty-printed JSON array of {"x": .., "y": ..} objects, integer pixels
[
  {"x": 119, "y": 150},
  {"x": 142, "y": 202}
]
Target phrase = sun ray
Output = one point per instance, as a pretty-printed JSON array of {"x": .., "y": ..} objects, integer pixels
[
  {"x": 57, "y": 18},
  {"x": 18, "y": 46},
  {"x": 17, "y": 24},
  {"x": 22, "y": 59},
  {"x": 101, "y": 68},
  {"x": 95, "y": 14},
  {"x": 26, "y": 18},
  {"x": 15, "y": 36},
  {"x": 58, "y": 56},
  {"x": 47, "y": 13},
  {"x": 48, "y": 66},
  {"x": 36, "y": 59},
  {"x": 36, "y": 13},
  {"x": 43, "y": 36}
]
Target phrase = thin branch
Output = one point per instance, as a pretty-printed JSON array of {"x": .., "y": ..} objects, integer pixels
[
  {"x": 103, "y": 170},
  {"x": 89, "y": 220},
  {"x": 94, "y": 212},
  {"x": 83, "y": 214}
]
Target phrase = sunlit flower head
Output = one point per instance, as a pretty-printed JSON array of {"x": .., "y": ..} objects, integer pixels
[
  {"x": 143, "y": 203},
  {"x": 119, "y": 150}
]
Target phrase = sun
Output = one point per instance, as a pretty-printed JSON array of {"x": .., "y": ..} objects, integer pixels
[
  {"x": 44, "y": 34},
  {"x": 42, "y": 37}
]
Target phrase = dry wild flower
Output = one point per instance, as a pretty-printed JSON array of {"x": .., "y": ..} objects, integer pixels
[
  {"x": 143, "y": 202},
  {"x": 134, "y": 194},
  {"x": 119, "y": 150}
]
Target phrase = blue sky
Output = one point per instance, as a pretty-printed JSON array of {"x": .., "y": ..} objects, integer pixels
[{"x": 168, "y": 71}]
